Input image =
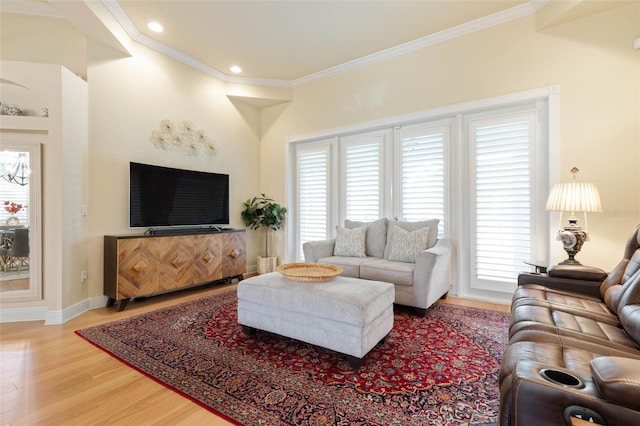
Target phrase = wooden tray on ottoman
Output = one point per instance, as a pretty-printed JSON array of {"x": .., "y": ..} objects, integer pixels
[{"x": 309, "y": 272}]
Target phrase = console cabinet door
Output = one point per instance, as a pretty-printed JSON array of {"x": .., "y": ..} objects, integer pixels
[
  {"x": 176, "y": 262},
  {"x": 207, "y": 258},
  {"x": 234, "y": 255},
  {"x": 138, "y": 267}
]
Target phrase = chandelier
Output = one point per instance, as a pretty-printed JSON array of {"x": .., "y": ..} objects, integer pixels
[{"x": 19, "y": 171}]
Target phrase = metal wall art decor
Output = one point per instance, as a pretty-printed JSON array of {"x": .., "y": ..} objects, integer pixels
[{"x": 183, "y": 137}]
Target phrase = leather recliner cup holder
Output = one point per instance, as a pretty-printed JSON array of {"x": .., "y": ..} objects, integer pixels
[{"x": 561, "y": 378}]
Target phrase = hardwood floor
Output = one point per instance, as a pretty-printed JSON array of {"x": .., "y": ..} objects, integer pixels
[{"x": 50, "y": 376}]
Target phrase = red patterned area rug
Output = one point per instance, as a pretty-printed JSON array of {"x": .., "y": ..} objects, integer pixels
[{"x": 438, "y": 370}]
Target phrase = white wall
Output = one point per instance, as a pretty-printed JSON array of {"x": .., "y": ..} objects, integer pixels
[{"x": 591, "y": 59}]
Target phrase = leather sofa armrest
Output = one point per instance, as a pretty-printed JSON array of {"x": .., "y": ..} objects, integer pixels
[
  {"x": 577, "y": 272},
  {"x": 617, "y": 380},
  {"x": 315, "y": 250},
  {"x": 539, "y": 401},
  {"x": 590, "y": 288}
]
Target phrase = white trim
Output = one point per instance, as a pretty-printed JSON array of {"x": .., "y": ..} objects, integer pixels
[
  {"x": 64, "y": 315},
  {"x": 479, "y": 24},
  {"x": 22, "y": 314},
  {"x": 52, "y": 317}
]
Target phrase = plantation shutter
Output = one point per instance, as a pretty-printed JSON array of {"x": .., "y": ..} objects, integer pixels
[
  {"x": 502, "y": 188},
  {"x": 313, "y": 167},
  {"x": 362, "y": 177},
  {"x": 422, "y": 173}
]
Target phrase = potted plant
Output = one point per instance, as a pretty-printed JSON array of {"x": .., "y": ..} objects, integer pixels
[{"x": 264, "y": 212}]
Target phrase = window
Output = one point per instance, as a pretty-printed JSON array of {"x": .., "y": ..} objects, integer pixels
[
  {"x": 312, "y": 207},
  {"x": 501, "y": 185},
  {"x": 421, "y": 172},
  {"x": 482, "y": 168},
  {"x": 362, "y": 176}
]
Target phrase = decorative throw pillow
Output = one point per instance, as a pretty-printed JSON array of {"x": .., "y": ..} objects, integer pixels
[
  {"x": 432, "y": 224},
  {"x": 406, "y": 246},
  {"x": 350, "y": 242},
  {"x": 376, "y": 235}
]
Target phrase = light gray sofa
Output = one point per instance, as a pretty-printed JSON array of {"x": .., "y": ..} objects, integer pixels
[{"x": 414, "y": 260}]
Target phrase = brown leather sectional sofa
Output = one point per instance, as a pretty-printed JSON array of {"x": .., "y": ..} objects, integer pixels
[{"x": 574, "y": 353}]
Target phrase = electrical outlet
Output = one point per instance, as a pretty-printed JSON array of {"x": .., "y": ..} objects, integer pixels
[{"x": 84, "y": 276}]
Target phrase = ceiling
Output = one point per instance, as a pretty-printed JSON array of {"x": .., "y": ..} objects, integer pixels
[
  {"x": 273, "y": 41},
  {"x": 287, "y": 43},
  {"x": 287, "y": 40}
]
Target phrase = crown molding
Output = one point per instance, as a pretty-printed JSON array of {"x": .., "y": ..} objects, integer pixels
[
  {"x": 119, "y": 14},
  {"x": 430, "y": 40}
]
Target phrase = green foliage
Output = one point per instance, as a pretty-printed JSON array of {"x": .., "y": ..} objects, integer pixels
[{"x": 263, "y": 212}]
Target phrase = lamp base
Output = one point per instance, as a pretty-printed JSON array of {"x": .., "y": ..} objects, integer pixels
[
  {"x": 569, "y": 261},
  {"x": 572, "y": 237}
]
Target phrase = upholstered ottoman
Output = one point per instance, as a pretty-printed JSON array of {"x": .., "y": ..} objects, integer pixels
[{"x": 347, "y": 315}]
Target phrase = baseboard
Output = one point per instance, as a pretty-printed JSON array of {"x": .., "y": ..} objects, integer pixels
[
  {"x": 51, "y": 317},
  {"x": 23, "y": 314},
  {"x": 59, "y": 317}
]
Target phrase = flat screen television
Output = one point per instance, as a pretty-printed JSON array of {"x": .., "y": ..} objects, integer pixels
[{"x": 163, "y": 196}]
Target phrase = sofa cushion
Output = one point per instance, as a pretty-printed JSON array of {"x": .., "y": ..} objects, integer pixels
[
  {"x": 406, "y": 246},
  {"x": 350, "y": 265},
  {"x": 398, "y": 273},
  {"x": 412, "y": 226},
  {"x": 350, "y": 242},
  {"x": 376, "y": 235}
]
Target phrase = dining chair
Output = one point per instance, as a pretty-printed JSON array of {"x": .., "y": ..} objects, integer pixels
[{"x": 18, "y": 254}]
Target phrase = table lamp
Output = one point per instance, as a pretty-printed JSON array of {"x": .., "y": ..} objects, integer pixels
[{"x": 573, "y": 197}]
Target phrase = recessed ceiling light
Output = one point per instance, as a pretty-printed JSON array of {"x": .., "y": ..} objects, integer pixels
[
  {"x": 155, "y": 27},
  {"x": 235, "y": 69}
]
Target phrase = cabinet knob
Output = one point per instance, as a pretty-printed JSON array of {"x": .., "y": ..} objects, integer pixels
[
  {"x": 234, "y": 253},
  {"x": 176, "y": 262},
  {"x": 208, "y": 258}
]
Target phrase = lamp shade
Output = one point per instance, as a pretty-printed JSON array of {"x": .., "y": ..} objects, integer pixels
[{"x": 574, "y": 197}]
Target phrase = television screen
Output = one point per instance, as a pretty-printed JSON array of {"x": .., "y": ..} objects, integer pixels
[{"x": 163, "y": 196}]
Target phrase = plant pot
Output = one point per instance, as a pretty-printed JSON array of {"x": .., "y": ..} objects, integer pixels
[
  {"x": 267, "y": 264},
  {"x": 13, "y": 220}
]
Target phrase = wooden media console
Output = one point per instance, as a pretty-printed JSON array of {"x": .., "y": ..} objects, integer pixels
[{"x": 145, "y": 265}]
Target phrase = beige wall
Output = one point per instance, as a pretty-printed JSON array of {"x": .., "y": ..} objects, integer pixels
[
  {"x": 30, "y": 38},
  {"x": 128, "y": 98},
  {"x": 591, "y": 60}
]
